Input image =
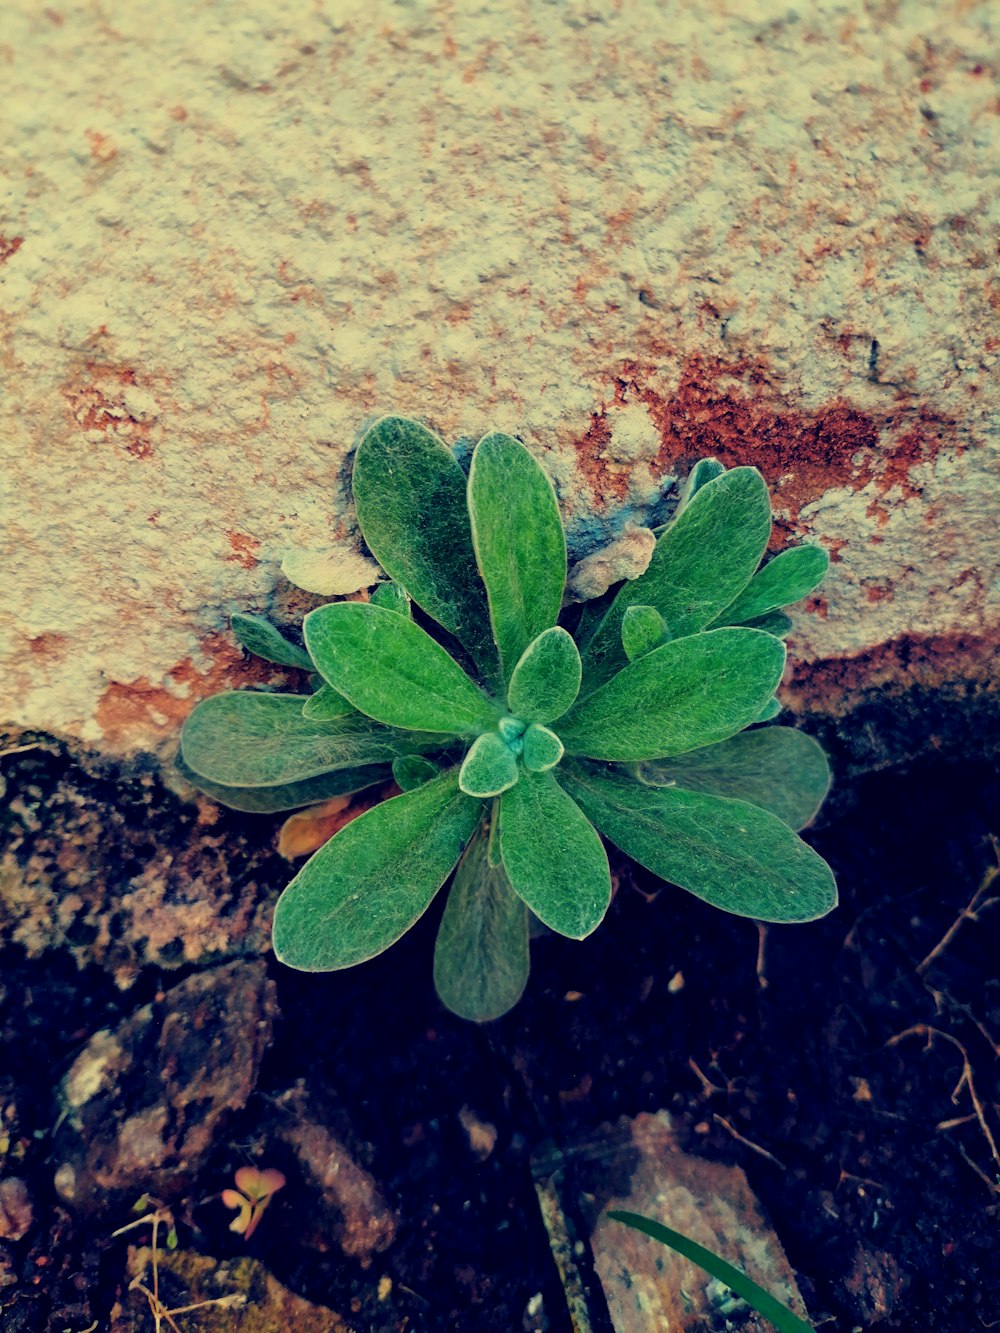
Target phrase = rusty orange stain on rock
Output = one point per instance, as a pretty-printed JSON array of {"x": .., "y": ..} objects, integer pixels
[
  {"x": 96, "y": 400},
  {"x": 245, "y": 549},
  {"x": 49, "y": 644},
  {"x": 832, "y": 685},
  {"x": 729, "y": 411},
  {"x": 9, "y": 248},
  {"x": 605, "y": 483},
  {"x": 139, "y": 707},
  {"x": 102, "y": 149}
]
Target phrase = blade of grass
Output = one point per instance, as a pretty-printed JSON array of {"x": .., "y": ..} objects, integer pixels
[{"x": 762, "y": 1301}]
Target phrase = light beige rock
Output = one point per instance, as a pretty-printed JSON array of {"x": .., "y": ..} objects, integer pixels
[
  {"x": 638, "y": 1166},
  {"x": 648, "y": 1285},
  {"x": 633, "y": 234}
]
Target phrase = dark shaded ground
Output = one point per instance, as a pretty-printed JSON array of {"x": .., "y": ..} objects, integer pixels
[{"x": 888, "y": 1218}]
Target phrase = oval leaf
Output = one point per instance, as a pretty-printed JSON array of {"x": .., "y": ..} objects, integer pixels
[
  {"x": 392, "y": 597},
  {"x": 542, "y": 749},
  {"x": 704, "y": 559},
  {"x": 261, "y": 638},
  {"x": 392, "y": 670},
  {"x": 689, "y": 693},
  {"x": 643, "y": 629},
  {"x": 518, "y": 538},
  {"x": 489, "y": 768},
  {"x": 546, "y": 680},
  {"x": 553, "y": 857},
  {"x": 325, "y": 704},
  {"x": 411, "y": 771},
  {"x": 775, "y": 622},
  {"x": 481, "y": 955},
  {"x": 292, "y": 795},
  {"x": 243, "y": 739},
  {"x": 778, "y": 768},
  {"x": 784, "y": 580},
  {"x": 733, "y": 855},
  {"x": 704, "y": 471},
  {"x": 410, "y": 496},
  {"x": 374, "y": 879}
]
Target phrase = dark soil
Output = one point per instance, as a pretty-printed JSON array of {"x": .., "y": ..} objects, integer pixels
[{"x": 888, "y": 1217}]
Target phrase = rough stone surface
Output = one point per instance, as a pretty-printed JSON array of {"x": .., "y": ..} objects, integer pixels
[
  {"x": 646, "y": 1284},
  {"x": 264, "y": 1304},
  {"x": 144, "y": 1104},
  {"x": 118, "y": 877},
  {"x": 359, "y": 1217},
  {"x": 632, "y": 233}
]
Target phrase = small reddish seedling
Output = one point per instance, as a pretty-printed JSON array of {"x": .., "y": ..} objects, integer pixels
[{"x": 254, "y": 1190}]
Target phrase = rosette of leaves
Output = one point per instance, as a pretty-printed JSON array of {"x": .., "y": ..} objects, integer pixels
[{"x": 519, "y": 746}]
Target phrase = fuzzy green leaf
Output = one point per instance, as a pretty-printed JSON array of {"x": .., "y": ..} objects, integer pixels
[
  {"x": 542, "y": 749},
  {"x": 518, "y": 538},
  {"x": 702, "y": 562},
  {"x": 260, "y": 637},
  {"x": 775, "y": 622},
  {"x": 374, "y": 879},
  {"x": 244, "y": 739},
  {"x": 643, "y": 629},
  {"x": 394, "y": 671},
  {"x": 771, "y": 709},
  {"x": 553, "y": 857},
  {"x": 546, "y": 680},
  {"x": 704, "y": 471},
  {"x": 733, "y": 855},
  {"x": 777, "y": 768},
  {"x": 292, "y": 795},
  {"x": 392, "y": 597},
  {"x": 412, "y": 770},
  {"x": 689, "y": 693},
  {"x": 784, "y": 580},
  {"x": 489, "y": 768},
  {"x": 481, "y": 955},
  {"x": 325, "y": 704},
  {"x": 410, "y": 494}
]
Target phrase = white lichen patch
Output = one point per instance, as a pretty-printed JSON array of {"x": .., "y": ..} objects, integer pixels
[{"x": 91, "y": 1069}]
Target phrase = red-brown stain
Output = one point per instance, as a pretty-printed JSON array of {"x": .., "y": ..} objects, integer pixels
[
  {"x": 178, "y": 112},
  {"x": 930, "y": 661},
  {"x": 95, "y": 399},
  {"x": 729, "y": 410},
  {"x": 141, "y": 708},
  {"x": 102, "y": 149},
  {"x": 244, "y": 549},
  {"x": 605, "y": 484},
  {"x": 50, "y": 644},
  {"x": 9, "y": 248}
]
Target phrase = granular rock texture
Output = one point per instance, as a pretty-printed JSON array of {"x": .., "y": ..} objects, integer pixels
[
  {"x": 145, "y": 1104},
  {"x": 631, "y": 233}
]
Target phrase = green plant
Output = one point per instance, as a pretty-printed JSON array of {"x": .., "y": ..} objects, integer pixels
[
  {"x": 517, "y": 744},
  {"x": 762, "y": 1301}
]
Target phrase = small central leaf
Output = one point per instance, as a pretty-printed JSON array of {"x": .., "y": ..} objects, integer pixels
[
  {"x": 542, "y": 749},
  {"x": 489, "y": 768}
]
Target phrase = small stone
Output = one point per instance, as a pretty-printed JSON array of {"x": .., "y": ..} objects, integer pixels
[
  {"x": 147, "y": 1103},
  {"x": 360, "y": 1219},
  {"x": 16, "y": 1214},
  {"x": 626, "y": 558},
  {"x": 482, "y": 1134}
]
